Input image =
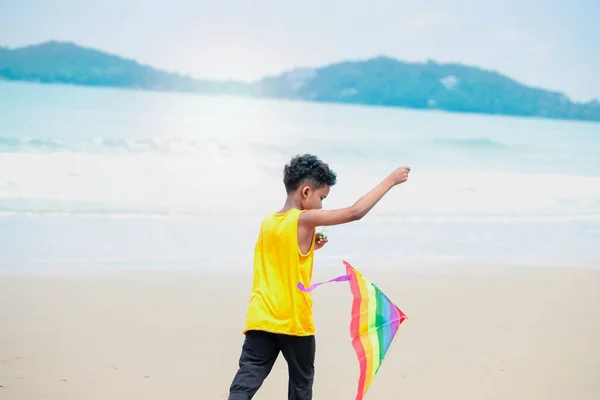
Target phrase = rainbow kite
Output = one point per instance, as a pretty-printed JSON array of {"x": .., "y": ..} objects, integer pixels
[
  {"x": 373, "y": 327},
  {"x": 374, "y": 324}
]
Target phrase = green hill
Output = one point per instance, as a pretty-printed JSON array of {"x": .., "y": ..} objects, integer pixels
[
  {"x": 68, "y": 63},
  {"x": 385, "y": 81},
  {"x": 380, "y": 81}
]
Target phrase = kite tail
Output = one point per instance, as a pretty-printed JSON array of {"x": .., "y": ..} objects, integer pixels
[{"x": 312, "y": 287}]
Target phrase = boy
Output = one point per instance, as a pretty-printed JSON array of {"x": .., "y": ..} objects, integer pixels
[{"x": 279, "y": 316}]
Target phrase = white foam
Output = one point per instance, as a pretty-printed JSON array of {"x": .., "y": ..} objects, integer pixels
[
  {"x": 169, "y": 185},
  {"x": 461, "y": 193},
  {"x": 134, "y": 180}
]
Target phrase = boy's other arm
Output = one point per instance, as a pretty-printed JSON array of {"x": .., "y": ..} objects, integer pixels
[{"x": 313, "y": 218}]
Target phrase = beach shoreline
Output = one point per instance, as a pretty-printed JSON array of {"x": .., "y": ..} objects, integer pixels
[{"x": 494, "y": 333}]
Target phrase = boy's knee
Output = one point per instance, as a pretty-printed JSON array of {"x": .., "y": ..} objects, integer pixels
[
  {"x": 238, "y": 396},
  {"x": 301, "y": 392}
]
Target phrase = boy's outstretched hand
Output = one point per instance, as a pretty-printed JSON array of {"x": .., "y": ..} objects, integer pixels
[
  {"x": 310, "y": 219},
  {"x": 400, "y": 175},
  {"x": 320, "y": 240}
]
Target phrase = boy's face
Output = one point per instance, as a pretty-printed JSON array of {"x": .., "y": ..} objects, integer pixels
[{"x": 313, "y": 198}]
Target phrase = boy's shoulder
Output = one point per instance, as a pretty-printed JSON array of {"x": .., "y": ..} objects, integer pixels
[
  {"x": 280, "y": 215},
  {"x": 280, "y": 218}
]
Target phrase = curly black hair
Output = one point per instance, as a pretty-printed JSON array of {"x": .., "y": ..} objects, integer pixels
[{"x": 307, "y": 168}]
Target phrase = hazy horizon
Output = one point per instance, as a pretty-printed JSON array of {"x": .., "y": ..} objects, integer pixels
[{"x": 544, "y": 44}]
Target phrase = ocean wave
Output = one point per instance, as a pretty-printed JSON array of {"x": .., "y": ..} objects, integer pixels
[
  {"x": 336, "y": 151},
  {"x": 379, "y": 219},
  {"x": 471, "y": 143},
  {"x": 150, "y": 183},
  {"x": 17, "y": 145},
  {"x": 114, "y": 146}
]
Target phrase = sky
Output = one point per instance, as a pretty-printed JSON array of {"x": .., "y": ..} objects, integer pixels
[{"x": 549, "y": 44}]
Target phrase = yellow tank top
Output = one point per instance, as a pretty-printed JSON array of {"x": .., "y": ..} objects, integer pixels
[{"x": 276, "y": 304}]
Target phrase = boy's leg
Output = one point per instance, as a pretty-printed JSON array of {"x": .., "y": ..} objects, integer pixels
[
  {"x": 299, "y": 352},
  {"x": 259, "y": 352}
]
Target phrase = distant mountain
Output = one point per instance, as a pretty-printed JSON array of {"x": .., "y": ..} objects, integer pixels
[
  {"x": 380, "y": 81},
  {"x": 384, "y": 81},
  {"x": 68, "y": 63}
]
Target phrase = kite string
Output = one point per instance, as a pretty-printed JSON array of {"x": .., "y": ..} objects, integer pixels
[{"x": 323, "y": 231}]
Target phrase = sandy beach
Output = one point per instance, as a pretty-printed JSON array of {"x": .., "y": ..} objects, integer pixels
[{"x": 493, "y": 333}]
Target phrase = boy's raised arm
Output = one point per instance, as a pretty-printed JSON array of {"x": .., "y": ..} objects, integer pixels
[{"x": 313, "y": 218}]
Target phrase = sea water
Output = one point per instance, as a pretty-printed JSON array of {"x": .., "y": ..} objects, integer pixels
[{"x": 101, "y": 178}]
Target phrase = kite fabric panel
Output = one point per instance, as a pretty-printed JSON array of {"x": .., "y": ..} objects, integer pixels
[{"x": 374, "y": 324}]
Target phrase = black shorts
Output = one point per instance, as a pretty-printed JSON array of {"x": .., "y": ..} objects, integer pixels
[{"x": 259, "y": 352}]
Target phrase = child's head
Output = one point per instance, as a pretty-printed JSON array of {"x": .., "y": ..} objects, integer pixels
[{"x": 308, "y": 179}]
